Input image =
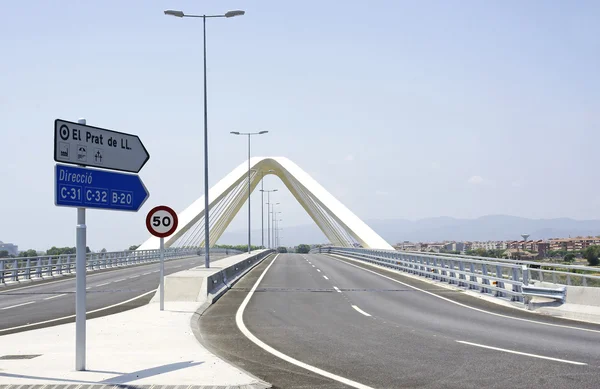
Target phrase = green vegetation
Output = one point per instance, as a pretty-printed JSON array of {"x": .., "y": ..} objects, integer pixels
[
  {"x": 570, "y": 257},
  {"x": 303, "y": 248},
  {"x": 240, "y": 247},
  {"x": 282, "y": 250},
  {"x": 4, "y": 254},
  {"x": 28, "y": 253},
  {"x": 481, "y": 252},
  {"x": 592, "y": 253},
  {"x": 64, "y": 250},
  {"x": 133, "y": 247}
]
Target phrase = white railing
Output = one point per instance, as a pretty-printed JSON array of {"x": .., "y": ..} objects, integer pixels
[
  {"x": 554, "y": 273},
  {"x": 28, "y": 268},
  {"x": 499, "y": 279}
]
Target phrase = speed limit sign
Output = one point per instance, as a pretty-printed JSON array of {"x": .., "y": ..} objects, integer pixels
[{"x": 161, "y": 221}]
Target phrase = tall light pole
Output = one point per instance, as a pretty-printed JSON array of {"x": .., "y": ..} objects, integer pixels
[
  {"x": 229, "y": 14},
  {"x": 273, "y": 223},
  {"x": 276, "y": 227},
  {"x": 268, "y": 214},
  {"x": 249, "y": 134}
]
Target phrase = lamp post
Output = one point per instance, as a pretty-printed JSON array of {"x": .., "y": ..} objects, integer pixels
[
  {"x": 249, "y": 134},
  {"x": 229, "y": 14},
  {"x": 273, "y": 224},
  {"x": 268, "y": 214},
  {"x": 276, "y": 227}
]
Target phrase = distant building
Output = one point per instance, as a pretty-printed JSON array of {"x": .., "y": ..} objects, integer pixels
[
  {"x": 12, "y": 249},
  {"x": 573, "y": 244}
]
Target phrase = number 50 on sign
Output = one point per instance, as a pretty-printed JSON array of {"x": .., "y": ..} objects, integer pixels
[{"x": 161, "y": 221}]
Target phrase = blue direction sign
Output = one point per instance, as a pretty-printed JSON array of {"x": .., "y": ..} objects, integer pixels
[{"x": 90, "y": 188}]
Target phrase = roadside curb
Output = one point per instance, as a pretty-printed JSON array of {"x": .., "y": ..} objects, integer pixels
[{"x": 195, "y": 323}]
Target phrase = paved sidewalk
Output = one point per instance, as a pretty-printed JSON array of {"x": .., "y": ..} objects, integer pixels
[{"x": 142, "y": 346}]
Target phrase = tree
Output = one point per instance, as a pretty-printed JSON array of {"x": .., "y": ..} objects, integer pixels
[
  {"x": 133, "y": 247},
  {"x": 592, "y": 253},
  {"x": 4, "y": 254},
  {"x": 28, "y": 253},
  {"x": 303, "y": 248},
  {"x": 282, "y": 250},
  {"x": 103, "y": 250},
  {"x": 570, "y": 257}
]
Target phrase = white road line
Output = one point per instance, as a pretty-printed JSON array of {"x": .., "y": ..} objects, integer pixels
[
  {"x": 239, "y": 319},
  {"x": 313, "y": 266},
  {"x": 360, "y": 310},
  {"x": 138, "y": 274},
  {"x": 18, "y": 305},
  {"x": 180, "y": 265},
  {"x": 145, "y": 274},
  {"x": 156, "y": 271},
  {"x": 56, "y": 296},
  {"x": 520, "y": 353},
  {"x": 89, "y": 287},
  {"x": 106, "y": 283},
  {"x": 72, "y": 316},
  {"x": 123, "y": 279},
  {"x": 325, "y": 277},
  {"x": 336, "y": 289},
  {"x": 461, "y": 304},
  {"x": 318, "y": 270}
]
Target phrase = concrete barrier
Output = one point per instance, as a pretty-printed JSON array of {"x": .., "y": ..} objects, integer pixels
[{"x": 207, "y": 285}]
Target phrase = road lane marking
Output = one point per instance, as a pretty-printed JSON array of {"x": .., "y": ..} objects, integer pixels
[
  {"x": 336, "y": 289},
  {"x": 106, "y": 283},
  {"x": 145, "y": 274},
  {"x": 521, "y": 353},
  {"x": 135, "y": 276},
  {"x": 325, "y": 277},
  {"x": 239, "y": 319},
  {"x": 360, "y": 310},
  {"x": 56, "y": 296},
  {"x": 119, "y": 280},
  {"x": 318, "y": 270},
  {"x": 461, "y": 304},
  {"x": 18, "y": 305},
  {"x": 72, "y": 316},
  {"x": 313, "y": 266}
]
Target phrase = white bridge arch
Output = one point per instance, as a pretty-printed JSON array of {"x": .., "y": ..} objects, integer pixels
[{"x": 338, "y": 223}]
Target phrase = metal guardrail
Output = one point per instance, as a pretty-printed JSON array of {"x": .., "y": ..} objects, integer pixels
[
  {"x": 27, "y": 268},
  {"x": 557, "y": 294},
  {"x": 556, "y": 273},
  {"x": 504, "y": 280}
]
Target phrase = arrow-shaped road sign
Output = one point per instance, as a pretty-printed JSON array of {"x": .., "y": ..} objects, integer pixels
[
  {"x": 90, "y": 188},
  {"x": 84, "y": 145}
]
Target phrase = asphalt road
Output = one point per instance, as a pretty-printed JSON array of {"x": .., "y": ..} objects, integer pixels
[
  {"x": 40, "y": 301},
  {"x": 383, "y": 334}
]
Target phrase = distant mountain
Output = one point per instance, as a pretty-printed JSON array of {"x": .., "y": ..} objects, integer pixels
[{"x": 492, "y": 227}]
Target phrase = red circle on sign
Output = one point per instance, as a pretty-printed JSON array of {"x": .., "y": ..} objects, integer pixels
[{"x": 161, "y": 221}]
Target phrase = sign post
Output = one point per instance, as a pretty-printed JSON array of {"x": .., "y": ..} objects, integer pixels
[
  {"x": 80, "y": 187},
  {"x": 161, "y": 222},
  {"x": 80, "y": 285}
]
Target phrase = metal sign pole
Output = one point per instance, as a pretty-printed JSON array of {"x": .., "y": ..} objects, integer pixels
[
  {"x": 162, "y": 274},
  {"x": 80, "y": 293}
]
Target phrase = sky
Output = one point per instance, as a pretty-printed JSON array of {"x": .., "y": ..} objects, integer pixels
[{"x": 401, "y": 109}]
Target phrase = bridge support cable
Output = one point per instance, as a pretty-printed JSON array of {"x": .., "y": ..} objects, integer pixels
[
  {"x": 317, "y": 215},
  {"x": 228, "y": 195},
  {"x": 234, "y": 207}
]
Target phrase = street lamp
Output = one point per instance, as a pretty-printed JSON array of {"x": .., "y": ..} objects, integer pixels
[
  {"x": 268, "y": 213},
  {"x": 228, "y": 14},
  {"x": 276, "y": 227},
  {"x": 273, "y": 213},
  {"x": 249, "y": 134}
]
